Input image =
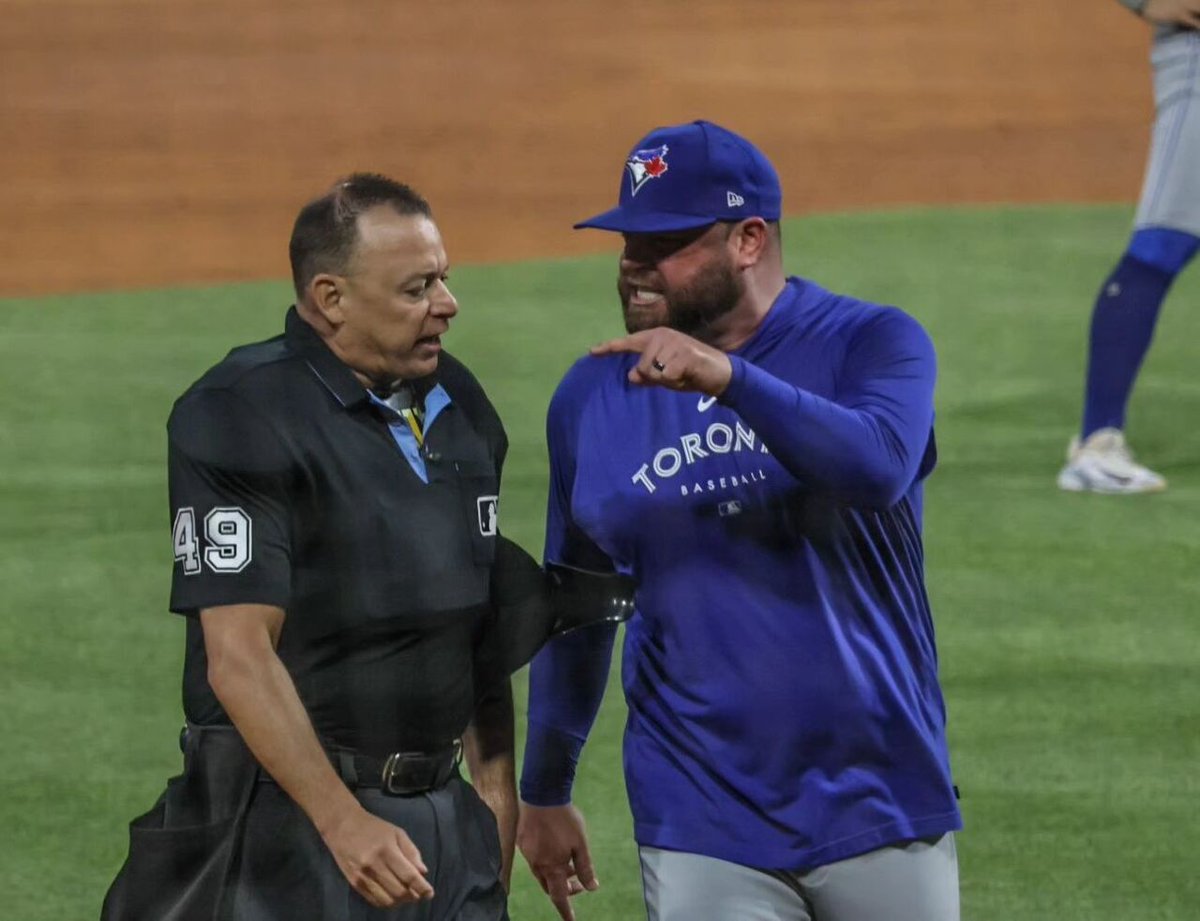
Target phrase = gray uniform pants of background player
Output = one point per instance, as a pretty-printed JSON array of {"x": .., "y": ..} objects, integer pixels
[
  {"x": 1171, "y": 189},
  {"x": 916, "y": 881}
]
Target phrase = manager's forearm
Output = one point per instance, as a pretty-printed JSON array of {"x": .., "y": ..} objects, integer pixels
[
  {"x": 566, "y": 687},
  {"x": 861, "y": 455}
]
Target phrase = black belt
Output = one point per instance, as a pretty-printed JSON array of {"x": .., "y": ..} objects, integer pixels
[
  {"x": 400, "y": 773},
  {"x": 397, "y": 774}
]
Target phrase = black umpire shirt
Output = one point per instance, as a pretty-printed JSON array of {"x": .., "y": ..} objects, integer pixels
[{"x": 287, "y": 489}]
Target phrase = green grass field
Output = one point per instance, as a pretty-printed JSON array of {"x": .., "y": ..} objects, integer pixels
[{"x": 1068, "y": 626}]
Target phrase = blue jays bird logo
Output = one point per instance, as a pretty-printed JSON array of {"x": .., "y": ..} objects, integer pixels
[{"x": 646, "y": 164}]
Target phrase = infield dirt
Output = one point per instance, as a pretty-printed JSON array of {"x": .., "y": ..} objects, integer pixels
[{"x": 155, "y": 142}]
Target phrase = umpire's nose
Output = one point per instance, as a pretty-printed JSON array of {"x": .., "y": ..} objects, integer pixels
[{"x": 442, "y": 301}]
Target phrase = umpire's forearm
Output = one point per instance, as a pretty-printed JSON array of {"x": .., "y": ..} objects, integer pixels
[
  {"x": 488, "y": 745},
  {"x": 258, "y": 694}
]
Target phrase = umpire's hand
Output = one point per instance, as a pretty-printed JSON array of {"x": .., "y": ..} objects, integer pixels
[
  {"x": 554, "y": 843},
  {"x": 379, "y": 859}
]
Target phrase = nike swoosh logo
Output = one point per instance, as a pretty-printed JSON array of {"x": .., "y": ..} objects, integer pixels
[{"x": 705, "y": 403}]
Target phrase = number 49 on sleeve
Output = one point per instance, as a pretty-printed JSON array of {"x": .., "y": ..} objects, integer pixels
[{"x": 226, "y": 533}]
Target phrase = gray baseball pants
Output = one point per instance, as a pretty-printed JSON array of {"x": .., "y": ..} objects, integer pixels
[
  {"x": 1171, "y": 188},
  {"x": 914, "y": 881}
]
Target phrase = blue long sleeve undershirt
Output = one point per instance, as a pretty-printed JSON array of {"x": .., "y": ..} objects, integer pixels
[
  {"x": 865, "y": 447},
  {"x": 577, "y": 667}
]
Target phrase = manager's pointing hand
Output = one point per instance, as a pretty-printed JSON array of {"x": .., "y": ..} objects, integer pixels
[{"x": 671, "y": 359}]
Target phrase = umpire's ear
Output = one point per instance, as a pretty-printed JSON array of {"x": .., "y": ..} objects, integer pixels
[{"x": 327, "y": 295}]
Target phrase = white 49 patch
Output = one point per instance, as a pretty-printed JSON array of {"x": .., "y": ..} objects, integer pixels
[{"x": 227, "y": 532}]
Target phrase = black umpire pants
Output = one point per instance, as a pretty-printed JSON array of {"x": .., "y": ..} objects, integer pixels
[
  {"x": 223, "y": 844},
  {"x": 285, "y": 871}
]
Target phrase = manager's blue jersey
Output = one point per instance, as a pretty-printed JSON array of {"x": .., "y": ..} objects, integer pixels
[{"x": 780, "y": 671}]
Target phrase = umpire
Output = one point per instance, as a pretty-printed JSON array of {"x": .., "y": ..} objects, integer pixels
[{"x": 352, "y": 611}]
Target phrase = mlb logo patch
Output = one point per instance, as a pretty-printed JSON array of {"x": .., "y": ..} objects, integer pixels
[
  {"x": 644, "y": 165},
  {"x": 488, "y": 508}
]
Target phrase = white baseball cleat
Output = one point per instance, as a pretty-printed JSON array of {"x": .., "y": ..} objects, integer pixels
[{"x": 1103, "y": 463}]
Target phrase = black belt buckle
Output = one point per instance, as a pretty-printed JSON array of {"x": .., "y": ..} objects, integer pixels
[{"x": 406, "y": 773}]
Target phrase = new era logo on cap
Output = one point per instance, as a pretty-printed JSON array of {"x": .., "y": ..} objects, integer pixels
[{"x": 683, "y": 177}]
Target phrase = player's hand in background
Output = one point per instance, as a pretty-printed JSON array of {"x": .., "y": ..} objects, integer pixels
[
  {"x": 554, "y": 844},
  {"x": 1173, "y": 12},
  {"x": 671, "y": 359}
]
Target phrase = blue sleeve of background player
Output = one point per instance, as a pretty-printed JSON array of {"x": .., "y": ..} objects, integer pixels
[
  {"x": 866, "y": 445},
  {"x": 567, "y": 678}
]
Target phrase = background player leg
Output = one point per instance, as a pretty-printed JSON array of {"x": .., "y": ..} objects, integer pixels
[{"x": 1127, "y": 307}]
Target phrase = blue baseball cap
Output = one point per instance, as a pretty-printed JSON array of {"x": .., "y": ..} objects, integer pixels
[{"x": 686, "y": 176}]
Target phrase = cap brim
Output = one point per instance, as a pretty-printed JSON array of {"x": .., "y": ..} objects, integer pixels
[{"x": 621, "y": 221}]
